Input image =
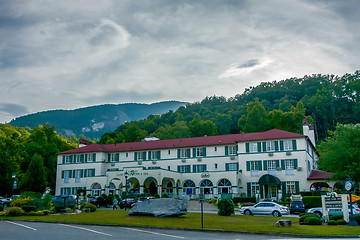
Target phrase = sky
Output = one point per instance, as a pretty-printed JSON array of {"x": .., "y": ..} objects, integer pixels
[{"x": 70, "y": 54}]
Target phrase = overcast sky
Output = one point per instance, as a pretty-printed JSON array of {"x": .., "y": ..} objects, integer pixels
[{"x": 75, "y": 53}]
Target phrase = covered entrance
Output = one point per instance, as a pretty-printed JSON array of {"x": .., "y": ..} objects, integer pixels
[{"x": 270, "y": 187}]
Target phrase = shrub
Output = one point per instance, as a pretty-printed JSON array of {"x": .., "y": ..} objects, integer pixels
[
  {"x": 1, "y": 208},
  {"x": 46, "y": 212},
  {"x": 21, "y": 202},
  {"x": 2, "y": 213},
  {"x": 303, "y": 217},
  {"x": 311, "y": 202},
  {"x": 92, "y": 207},
  {"x": 226, "y": 207},
  {"x": 164, "y": 195},
  {"x": 312, "y": 221},
  {"x": 244, "y": 199},
  {"x": 357, "y": 218},
  {"x": 332, "y": 222},
  {"x": 29, "y": 208},
  {"x": 15, "y": 211},
  {"x": 336, "y": 217},
  {"x": 109, "y": 199},
  {"x": 156, "y": 195},
  {"x": 32, "y": 213},
  {"x": 341, "y": 222}
]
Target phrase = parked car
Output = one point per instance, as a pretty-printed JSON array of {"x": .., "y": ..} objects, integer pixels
[
  {"x": 145, "y": 199},
  {"x": 5, "y": 202},
  {"x": 297, "y": 206},
  {"x": 334, "y": 211},
  {"x": 98, "y": 201},
  {"x": 59, "y": 200},
  {"x": 129, "y": 203},
  {"x": 265, "y": 208}
]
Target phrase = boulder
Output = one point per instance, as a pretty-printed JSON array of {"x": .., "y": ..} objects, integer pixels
[{"x": 160, "y": 207}]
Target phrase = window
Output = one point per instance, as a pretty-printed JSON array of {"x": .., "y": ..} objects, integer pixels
[
  {"x": 290, "y": 187},
  {"x": 184, "y": 168},
  {"x": 206, "y": 187},
  {"x": 96, "y": 190},
  {"x": 231, "y": 166},
  {"x": 140, "y": 156},
  {"x": 271, "y": 165},
  {"x": 127, "y": 154},
  {"x": 169, "y": 168},
  {"x": 89, "y": 172},
  {"x": 289, "y": 164},
  {"x": 112, "y": 157},
  {"x": 77, "y": 174},
  {"x": 65, "y": 191},
  {"x": 253, "y": 147},
  {"x": 78, "y": 158},
  {"x": 224, "y": 186},
  {"x": 76, "y": 189},
  {"x": 66, "y": 175},
  {"x": 254, "y": 166},
  {"x": 199, "y": 168},
  {"x": 254, "y": 189},
  {"x": 67, "y": 159},
  {"x": 169, "y": 152},
  {"x": 288, "y": 145},
  {"x": 232, "y": 150},
  {"x": 153, "y": 155},
  {"x": 188, "y": 187},
  {"x": 216, "y": 166},
  {"x": 199, "y": 152},
  {"x": 183, "y": 153},
  {"x": 270, "y": 146},
  {"x": 215, "y": 149}
]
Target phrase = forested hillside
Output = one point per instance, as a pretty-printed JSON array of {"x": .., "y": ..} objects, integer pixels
[
  {"x": 324, "y": 99},
  {"x": 94, "y": 121}
]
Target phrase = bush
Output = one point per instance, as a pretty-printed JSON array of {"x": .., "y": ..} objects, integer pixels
[
  {"x": 341, "y": 222},
  {"x": 164, "y": 195},
  {"x": 109, "y": 199},
  {"x": 29, "y": 208},
  {"x": 156, "y": 195},
  {"x": 226, "y": 207},
  {"x": 357, "y": 218},
  {"x": 21, "y": 202},
  {"x": 2, "y": 213},
  {"x": 46, "y": 212},
  {"x": 332, "y": 222},
  {"x": 15, "y": 211},
  {"x": 32, "y": 213},
  {"x": 92, "y": 207},
  {"x": 237, "y": 200},
  {"x": 312, "y": 221},
  {"x": 1, "y": 208},
  {"x": 304, "y": 216},
  {"x": 311, "y": 202},
  {"x": 336, "y": 217}
]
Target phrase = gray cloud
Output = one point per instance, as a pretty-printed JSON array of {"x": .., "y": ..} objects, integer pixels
[
  {"x": 9, "y": 109},
  {"x": 70, "y": 54}
]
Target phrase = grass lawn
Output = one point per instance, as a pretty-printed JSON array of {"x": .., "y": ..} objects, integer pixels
[{"x": 260, "y": 224}]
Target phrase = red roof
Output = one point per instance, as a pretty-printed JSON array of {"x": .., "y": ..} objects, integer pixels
[
  {"x": 319, "y": 175},
  {"x": 187, "y": 142}
]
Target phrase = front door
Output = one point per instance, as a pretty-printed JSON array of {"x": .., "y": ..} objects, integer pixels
[{"x": 270, "y": 191}]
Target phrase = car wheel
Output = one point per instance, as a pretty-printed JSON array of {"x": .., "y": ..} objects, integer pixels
[
  {"x": 247, "y": 212},
  {"x": 276, "y": 214},
  {"x": 319, "y": 214}
]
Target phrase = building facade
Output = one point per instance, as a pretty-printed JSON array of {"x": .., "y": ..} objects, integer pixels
[{"x": 264, "y": 165}]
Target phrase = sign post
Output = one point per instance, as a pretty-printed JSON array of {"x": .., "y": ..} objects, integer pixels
[
  {"x": 201, "y": 201},
  {"x": 349, "y": 187}
]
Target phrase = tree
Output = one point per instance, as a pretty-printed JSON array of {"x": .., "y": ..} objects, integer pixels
[
  {"x": 35, "y": 177},
  {"x": 256, "y": 118},
  {"x": 340, "y": 152}
]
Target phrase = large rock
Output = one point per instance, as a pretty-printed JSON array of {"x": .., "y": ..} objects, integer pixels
[{"x": 161, "y": 207}]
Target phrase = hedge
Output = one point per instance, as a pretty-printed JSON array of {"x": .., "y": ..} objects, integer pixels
[
  {"x": 244, "y": 199},
  {"x": 311, "y": 202}
]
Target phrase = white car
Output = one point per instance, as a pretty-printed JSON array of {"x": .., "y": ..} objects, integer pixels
[
  {"x": 265, "y": 208},
  {"x": 334, "y": 211}
]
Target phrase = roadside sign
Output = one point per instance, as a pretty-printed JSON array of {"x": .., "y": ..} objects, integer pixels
[{"x": 201, "y": 198}]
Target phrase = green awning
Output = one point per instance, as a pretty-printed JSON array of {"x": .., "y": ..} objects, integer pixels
[{"x": 268, "y": 179}]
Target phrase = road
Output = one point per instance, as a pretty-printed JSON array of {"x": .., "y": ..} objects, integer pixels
[{"x": 17, "y": 230}]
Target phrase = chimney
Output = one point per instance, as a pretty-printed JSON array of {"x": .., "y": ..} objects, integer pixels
[
  {"x": 83, "y": 142},
  {"x": 308, "y": 130}
]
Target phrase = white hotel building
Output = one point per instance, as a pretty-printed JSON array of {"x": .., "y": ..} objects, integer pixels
[{"x": 264, "y": 164}]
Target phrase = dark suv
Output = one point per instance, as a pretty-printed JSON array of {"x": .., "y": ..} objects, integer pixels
[
  {"x": 98, "y": 201},
  {"x": 297, "y": 206}
]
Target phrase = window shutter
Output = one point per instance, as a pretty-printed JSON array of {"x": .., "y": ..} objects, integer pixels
[
  {"x": 204, "y": 151},
  {"x": 194, "y": 152},
  {"x": 149, "y": 155},
  {"x": 178, "y": 153},
  {"x": 82, "y": 157},
  {"x": 109, "y": 157},
  {"x": 93, "y": 172},
  {"x": 194, "y": 168},
  {"x": 247, "y": 147},
  {"x": 264, "y": 146},
  {"x": 249, "y": 189},
  {"x": 265, "y": 165},
  {"x": 259, "y": 146},
  {"x": 158, "y": 155},
  {"x": 282, "y": 164},
  {"x": 276, "y": 146},
  {"x": 226, "y": 150},
  {"x": 63, "y": 159},
  {"x": 188, "y": 152},
  {"x": 277, "y": 162},
  {"x": 94, "y": 157},
  {"x": 295, "y": 163},
  {"x": 261, "y": 191},
  {"x": 259, "y": 164},
  {"x": 237, "y": 166},
  {"x": 281, "y": 145},
  {"x": 178, "y": 168},
  {"x": 117, "y": 157},
  {"x": 283, "y": 188},
  {"x": 188, "y": 168},
  {"x": 294, "y": 144},
  {"x": 237, "y": 149},
  {"x": 226, "y": 167},
  {"x": 86, "y": 157},
  {"x": 144, "y": 155},
  {"x": 205, "y": 168},
  {"x": 62, "y": 174},
  {"x": 71, "y": 159},
  {"x": 73, "y": 174},
  {"x": 135, "y": 156},
  {"x": 82, "y": 173},
  {"x": 247, "y": 165},
  {"x": 297, "y": 187}
]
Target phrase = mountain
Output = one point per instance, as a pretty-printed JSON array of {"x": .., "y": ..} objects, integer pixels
[{"x": 94, "y": 121}]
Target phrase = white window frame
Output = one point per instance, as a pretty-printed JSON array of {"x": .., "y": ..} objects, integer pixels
[
  {"x": 67, "y": 175},
  {"x": 232, "y": 150},
  {"x": 184, "y": 168},
  {"x": 254, "y": 166},
  {"x": 270, "y": 146},
  {"x": 288, "y": 145},
  {"x": 253, "y": 147},
  {"x": 140, "y": 156},
  {"x": 77, "y": 158},
  {"x": 232, "y": 166},
  {"x": 255, "y": 188},
  {"x": 153, "y": 155},
  {"x": 112, "y": 157},
  {"x": 271, "y": 165},
  {"x": 289, "y": 164},
  {"x": 199, "y": 152},
  {"x": 290, "y": 187},
  {"x": 199, "y": 168},
  {"x": 67, "y": 159},
  {"x": 183, "y": 153},
  {"x": 66, "y": 191},
  {"x": 77, "y": 175}
]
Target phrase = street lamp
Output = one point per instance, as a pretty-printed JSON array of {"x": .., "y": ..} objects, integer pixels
[
  {"x": 14, "y": 183},
  {"x": 126, "y": 174}
]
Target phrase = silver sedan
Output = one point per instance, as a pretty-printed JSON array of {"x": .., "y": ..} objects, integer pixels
[{"x": 265, "y": 208}]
